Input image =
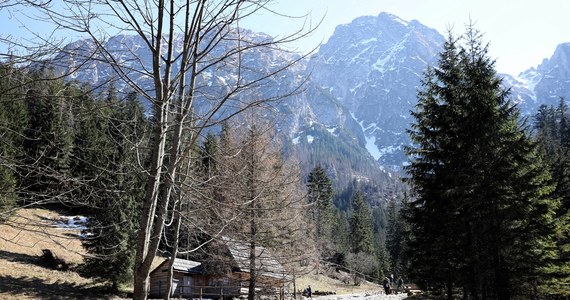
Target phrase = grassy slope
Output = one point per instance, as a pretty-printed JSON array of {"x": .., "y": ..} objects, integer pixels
[{"x": 22, "y": 275}]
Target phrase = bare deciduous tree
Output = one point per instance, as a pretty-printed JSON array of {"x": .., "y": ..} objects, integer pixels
[
  {"x": 186, "y": 41},
  {"x": 267, "y": 191}
]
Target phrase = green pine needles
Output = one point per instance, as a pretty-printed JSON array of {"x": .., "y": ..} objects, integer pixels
[{"x": 483, "y": 220}]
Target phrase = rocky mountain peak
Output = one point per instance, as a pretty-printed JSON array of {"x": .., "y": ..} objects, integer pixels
[
  {"x": 559, "y": 64},
  {"x": 548, "y": 81},
  {"x": 369, "y": 33},
  {"x": 366, "y": 64}
]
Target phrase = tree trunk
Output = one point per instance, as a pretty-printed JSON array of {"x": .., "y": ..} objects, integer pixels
[{"x": 172, "y": 258}]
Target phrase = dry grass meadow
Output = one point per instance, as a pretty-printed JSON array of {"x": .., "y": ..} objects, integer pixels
[{"x": 22, "y": 273}]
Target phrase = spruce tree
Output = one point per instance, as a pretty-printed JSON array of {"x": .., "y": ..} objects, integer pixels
[
  {"x": 483, "y": 220},
  {"x": 13, "y": 119},
  {"x": 106, "y": 144},
  {"x": 340, "y": 237},
  {"x": 381, "y": 226},
  {"x": 320, "y": 196},
  {"x": 361, "y": 225},
  {"x": 362, "y": 238},
  {"x": 38, "y": 169},
  {"x": 395, "y": 243}
]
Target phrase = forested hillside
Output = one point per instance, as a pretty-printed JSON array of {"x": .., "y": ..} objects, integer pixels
[{"x": 67, "y": 146}]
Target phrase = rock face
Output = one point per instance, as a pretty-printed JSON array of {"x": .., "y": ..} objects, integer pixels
[
  {"x": 551, "y": 79},
  {"x": 373, "y": 66},
  {"x": 360, "y": 87}
]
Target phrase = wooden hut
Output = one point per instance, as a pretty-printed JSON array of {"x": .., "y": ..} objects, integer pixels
[{"x": 193, "y": 279}]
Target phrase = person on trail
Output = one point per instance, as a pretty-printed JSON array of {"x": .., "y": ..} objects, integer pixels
[
  {"x": 386, "y": 285},
  {"x": 400, "y": 284},
  {"x": 309, "y": 292}
]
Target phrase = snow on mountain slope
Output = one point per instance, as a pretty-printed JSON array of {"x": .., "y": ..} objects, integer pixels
[
  {"x": 373, "y": 66},
  {"x": 362, "y": 86}
]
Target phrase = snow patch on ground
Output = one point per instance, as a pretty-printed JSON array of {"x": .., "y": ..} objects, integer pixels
[
  {"x": 372, "y": 148},
  {"x": 332, "y": 131},
  {"x": 381, "y": 63},
  {"x": 389, "y": 149},
  {"x": 72, "y": 222},
  {"x": 529, "y": 80}
]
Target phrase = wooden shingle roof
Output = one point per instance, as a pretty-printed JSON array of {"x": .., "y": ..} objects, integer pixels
[
  {"x": 266, "y": 263},
  {"x": 187, "y": 266},
  {"x": 182, "y": 265}
]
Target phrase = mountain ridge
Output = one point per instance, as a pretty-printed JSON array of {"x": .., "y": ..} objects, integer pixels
[{"x": 361, "y": 86}]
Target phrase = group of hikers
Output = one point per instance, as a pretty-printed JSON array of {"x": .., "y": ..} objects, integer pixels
[{"x": 388, "y": 284}]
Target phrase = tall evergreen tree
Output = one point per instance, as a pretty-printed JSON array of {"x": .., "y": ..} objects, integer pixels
[
  {"x": 340, "y": 237},
  {"x": 361, "y": 225},
  {"x": 545, "y": 122},
  {"x": 395, "y": 235},
  {"x": 483, "y": 218},
  {"x": 38, "y": 146},
  {"x": 362, "y": 236},
  {"x": 13, "y": 119},
  {"x": 320, "y": 196},
  {"x": 381, "y": 226},
  {"x": 115, "y": 208}
]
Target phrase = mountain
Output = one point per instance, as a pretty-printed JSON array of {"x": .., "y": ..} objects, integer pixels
[
  {"x": 544, "y": 84},
  {"x": 373, "y": 66},
  {"x": 318, "y": 128},
  {"x": 550, "y": 80},
  {"x": 359, "y": 89}
]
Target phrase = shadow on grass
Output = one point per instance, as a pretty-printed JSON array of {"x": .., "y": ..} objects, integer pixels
[
  {"x": 37, "y": 288},
  {"x": 21, "y": 258},
  {"x": 29, "y": 259}
]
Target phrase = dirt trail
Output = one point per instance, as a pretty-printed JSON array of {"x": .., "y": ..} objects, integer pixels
[{"x": 363, "y": 296}]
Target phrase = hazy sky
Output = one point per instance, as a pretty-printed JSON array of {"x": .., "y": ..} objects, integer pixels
[{"x": 520, "y": 32}]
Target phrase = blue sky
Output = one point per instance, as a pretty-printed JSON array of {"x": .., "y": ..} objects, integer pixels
[{"x": 520, "y": 32}]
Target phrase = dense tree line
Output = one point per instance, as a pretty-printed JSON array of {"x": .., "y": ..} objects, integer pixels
[
  {"x": 363, "y": 236},
  {"x": 13, "y": 118},
  {"x": 344, "y": 158},
  {"x": 67, "y": 146},
  {"x": 483, "y": 219},
  {"x": 553, "y": 136}
]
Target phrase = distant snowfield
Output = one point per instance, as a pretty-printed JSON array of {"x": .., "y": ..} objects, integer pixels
[{"x": 370, "y": 140}]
